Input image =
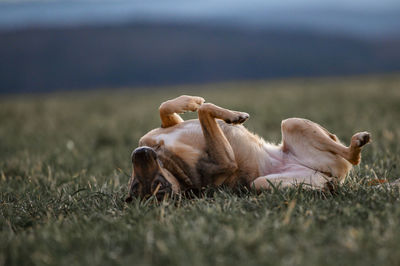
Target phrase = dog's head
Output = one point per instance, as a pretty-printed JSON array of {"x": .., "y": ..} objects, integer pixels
[{"x": 149, "y": 177}]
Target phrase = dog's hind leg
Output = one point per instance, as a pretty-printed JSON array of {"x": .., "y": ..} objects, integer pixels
[
  {"x": 297, "y": 175},
  {"x": 170, "y": 109},
  {"x": 220, "y": 161},
  {"x": 313, "y": 146}
]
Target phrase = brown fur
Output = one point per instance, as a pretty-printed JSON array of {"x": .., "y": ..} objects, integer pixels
[{"x": 216, "y": 150}]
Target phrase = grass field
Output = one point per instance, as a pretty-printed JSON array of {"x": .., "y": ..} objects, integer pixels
[{"x": 65, "y": 163}]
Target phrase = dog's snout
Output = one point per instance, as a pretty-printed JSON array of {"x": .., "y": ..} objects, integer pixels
[
  {"x": 143, "y": 152},
  {"x": 145, "y": 169}
]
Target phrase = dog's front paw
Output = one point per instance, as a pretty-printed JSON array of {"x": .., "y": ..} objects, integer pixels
[
  {"x": 191, "y": 103},
  {"x": 237, "y": 118},
  {"x": 195, "y": 103}
]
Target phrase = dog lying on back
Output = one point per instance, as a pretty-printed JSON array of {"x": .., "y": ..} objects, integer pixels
[{"x": 216, "y": 149}]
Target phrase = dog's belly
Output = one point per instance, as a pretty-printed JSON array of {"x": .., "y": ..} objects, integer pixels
[{"x": 185, "y": 144}]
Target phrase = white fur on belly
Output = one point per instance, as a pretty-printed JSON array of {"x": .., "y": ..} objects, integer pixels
[
  {"x": 271, "y": 159},
  {"x": 172, "y": 138},
  {"x": 169, "y": 139}
]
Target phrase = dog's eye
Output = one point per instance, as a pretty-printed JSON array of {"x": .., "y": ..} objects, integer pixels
[
  {"x": 160, "y": 183},
  {"x": 161, "y": 188}
]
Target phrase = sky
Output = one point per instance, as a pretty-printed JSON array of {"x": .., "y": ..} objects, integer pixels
[{"x": 363, "y": 17}]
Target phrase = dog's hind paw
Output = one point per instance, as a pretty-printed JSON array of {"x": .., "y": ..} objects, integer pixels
[{"x": 360, "y": 139}]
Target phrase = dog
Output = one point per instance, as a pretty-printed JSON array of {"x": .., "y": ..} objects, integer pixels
[{"x": 216, "y": 149}]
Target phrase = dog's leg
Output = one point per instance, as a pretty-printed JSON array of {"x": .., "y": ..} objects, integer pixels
[
  {"x": 317, "y": 158},
  {"x": 299, "y": 176},
  {"x": 218, "y": 148},
  {"x": 169, "y": 110},
  {"x": 303, "y": 137}
]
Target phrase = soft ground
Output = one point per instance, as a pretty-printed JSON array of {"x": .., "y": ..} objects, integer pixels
[{"x": 65, "y": 163}]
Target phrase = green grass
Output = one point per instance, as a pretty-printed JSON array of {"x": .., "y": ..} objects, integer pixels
[{"x": 65, "y": 163}]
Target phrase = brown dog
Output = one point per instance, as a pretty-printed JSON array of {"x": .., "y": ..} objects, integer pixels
[{"x": 216, "y": 150}]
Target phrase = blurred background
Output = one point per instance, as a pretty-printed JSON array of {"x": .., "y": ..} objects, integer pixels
[{"x": 88, "y": 44}]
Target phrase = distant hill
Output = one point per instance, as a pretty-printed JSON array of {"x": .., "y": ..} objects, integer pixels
[{"x": 48, "y": 59}]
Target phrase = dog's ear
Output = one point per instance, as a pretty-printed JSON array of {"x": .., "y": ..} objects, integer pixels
[{"x": 175, "y": 186}]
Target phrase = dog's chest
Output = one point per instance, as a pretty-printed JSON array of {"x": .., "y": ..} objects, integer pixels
[
  {"x": 186, "y": 133},
  {"x": 168, "y": 139}
]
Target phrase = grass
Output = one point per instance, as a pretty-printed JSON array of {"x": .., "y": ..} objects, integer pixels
[{"x": 65, "y": 163}]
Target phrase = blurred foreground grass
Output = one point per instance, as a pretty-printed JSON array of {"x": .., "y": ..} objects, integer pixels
[{"x": 65, "y": 162}]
